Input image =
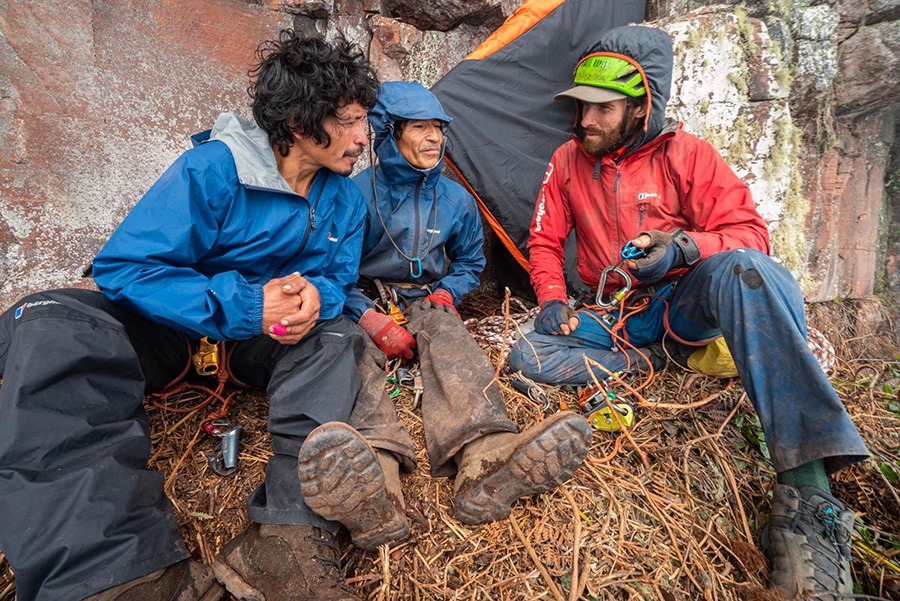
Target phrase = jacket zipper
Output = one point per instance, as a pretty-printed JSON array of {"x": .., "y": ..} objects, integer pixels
[
  {"x": 309, "y": 230},
  {"x": 415, "y": 248}
]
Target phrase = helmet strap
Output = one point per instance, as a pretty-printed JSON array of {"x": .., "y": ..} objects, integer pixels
[{"x": 626, "y": 134}]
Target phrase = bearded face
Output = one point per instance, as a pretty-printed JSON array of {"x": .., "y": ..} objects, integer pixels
[{"x": 601, "y": 125}]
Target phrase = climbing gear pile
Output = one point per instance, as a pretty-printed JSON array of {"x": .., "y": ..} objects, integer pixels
[
  {"x": 183, "y": 396},
  {"x": 604, "y": 409}
]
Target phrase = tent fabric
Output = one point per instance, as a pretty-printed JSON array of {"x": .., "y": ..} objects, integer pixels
[{"x": 506, "y": 124}]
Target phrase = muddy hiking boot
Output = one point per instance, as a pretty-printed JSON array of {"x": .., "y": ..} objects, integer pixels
[
  {"x": 184, "y": 581},
  {"x": 499, "y": 468},
  {"x": 808, "y": 542},
  {"x": 342, "y": 479},
  {"x": 268, "y": 562}
]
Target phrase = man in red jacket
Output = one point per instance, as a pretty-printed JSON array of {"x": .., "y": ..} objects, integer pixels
[{"x": 655, "y": 207}]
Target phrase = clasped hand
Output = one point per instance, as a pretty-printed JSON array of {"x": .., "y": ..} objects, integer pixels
[{"x": 290, "y": 305}]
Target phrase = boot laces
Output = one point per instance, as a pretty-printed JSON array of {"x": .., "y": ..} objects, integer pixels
[
  {"x": 330, "y": 561},
  {"x": 840, "y": 538},
  {"x": 828, "y": 560}
]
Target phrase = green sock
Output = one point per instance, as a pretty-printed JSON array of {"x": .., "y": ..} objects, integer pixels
[{"x": 808, "y": 474}]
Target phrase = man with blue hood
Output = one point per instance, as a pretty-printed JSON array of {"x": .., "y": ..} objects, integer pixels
[
  {"x": 422, "y": 250},
  {"x": 650, "y": 202}
]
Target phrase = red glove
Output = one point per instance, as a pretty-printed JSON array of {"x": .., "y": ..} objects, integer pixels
[
  {"x": 441, "y": 297},
  {"x": 391, "y": 338}
]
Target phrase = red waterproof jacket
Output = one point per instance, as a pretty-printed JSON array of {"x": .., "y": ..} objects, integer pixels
[{"x": 674, "y": 181}]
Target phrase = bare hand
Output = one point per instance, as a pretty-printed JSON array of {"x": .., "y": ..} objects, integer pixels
[{"x": 292, "y": 303}]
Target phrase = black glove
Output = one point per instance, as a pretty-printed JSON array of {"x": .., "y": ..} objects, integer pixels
[
  {"x": 553, "y": 314},
  {"x": 665, "y": 253}
]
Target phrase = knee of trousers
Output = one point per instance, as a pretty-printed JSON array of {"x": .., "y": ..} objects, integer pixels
[
  {"x": 343, "y": 330},
  {"x": 753, "y": 275},
  {"x": 75, "y": 303},
  {"x": 744, "y": 262},
  {"x": 71, "y": 309},
  {"x": 526, "y": 356},
  {"x": 433, "y": 320}
]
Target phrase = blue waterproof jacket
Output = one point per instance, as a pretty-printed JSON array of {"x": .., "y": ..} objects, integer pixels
[
  {"x": 221, "y": 222},
  {"x": 424, "y": 213}
]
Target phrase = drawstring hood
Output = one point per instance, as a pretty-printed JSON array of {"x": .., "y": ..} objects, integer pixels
[
  {"x": 404, "y": 101},
  {"x": 649, "y": 50}
]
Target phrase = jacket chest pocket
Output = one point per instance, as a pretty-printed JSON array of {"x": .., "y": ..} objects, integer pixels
[{"x": 639, "y": 207}]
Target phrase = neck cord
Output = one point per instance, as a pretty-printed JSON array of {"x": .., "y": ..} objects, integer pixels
[{"x": 415, "y": 263}]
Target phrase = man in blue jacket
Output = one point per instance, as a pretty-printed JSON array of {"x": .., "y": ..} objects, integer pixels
[
  {"x": 254, "y": 235},
  {"x": 422, "y": 250}
]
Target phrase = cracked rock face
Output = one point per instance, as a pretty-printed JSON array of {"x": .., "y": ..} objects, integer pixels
[
  {"x": 726, "y": 90},
  {"x": 443, "y": 15}
]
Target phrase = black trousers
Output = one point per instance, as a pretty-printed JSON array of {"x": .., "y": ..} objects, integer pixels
[{"x": 79, "y": 511}]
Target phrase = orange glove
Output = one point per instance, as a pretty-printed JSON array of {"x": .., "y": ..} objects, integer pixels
[{"x": 393, "y": 340}]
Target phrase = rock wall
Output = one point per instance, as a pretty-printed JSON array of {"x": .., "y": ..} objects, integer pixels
[{"x": 98, "y": 98}]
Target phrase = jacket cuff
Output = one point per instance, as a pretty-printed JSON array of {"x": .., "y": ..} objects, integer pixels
[
  {"x": 689, "y": 249},
  {"x": 257, "y": 310}
]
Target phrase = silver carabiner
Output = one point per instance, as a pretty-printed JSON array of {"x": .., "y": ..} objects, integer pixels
[
  {"x": 224, "y": 461},
  {"x": 616, "y": 297}
]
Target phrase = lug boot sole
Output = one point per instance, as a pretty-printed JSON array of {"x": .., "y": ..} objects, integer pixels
[
  {"x": 542, "y": 462},
  {"x": 342, "y": 480}
]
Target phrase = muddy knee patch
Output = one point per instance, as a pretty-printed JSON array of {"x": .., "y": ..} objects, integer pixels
[{"x": 750, "y": 276}]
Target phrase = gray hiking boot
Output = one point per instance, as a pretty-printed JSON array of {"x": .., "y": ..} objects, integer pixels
[
  {"x": 808, "y": 542},
  {"x": 499, "y": 468},
  {"x": 268, "y": 562},
  {"x": 184, "y": 581},
  {"x": 342, "y": 479}
]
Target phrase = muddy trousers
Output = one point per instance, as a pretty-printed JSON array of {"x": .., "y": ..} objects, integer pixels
[
  {"x": 79, "y": 511},
  {"x": 460, "y": 402},
  {"x": 756, "y": 305}
]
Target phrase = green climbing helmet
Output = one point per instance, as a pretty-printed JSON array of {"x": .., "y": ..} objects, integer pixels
[{"x": 610, "y": 72}]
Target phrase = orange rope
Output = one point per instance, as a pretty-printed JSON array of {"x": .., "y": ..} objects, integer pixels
[
  {"x": 619, "y": 334},
  {"x": 211, "y": 395}
]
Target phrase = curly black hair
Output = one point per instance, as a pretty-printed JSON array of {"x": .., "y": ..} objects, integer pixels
[{"x": 299, "y": 81}]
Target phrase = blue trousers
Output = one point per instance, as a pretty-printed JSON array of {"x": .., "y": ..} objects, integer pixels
[{"x": 756, "y": 305}]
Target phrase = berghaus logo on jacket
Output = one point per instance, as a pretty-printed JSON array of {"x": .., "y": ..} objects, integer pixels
[
  {"x": 647, "y": 195},
  {"x": 21, "y": 310}
]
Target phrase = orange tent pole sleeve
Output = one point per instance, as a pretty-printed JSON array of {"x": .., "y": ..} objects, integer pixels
[{"x": 526, "y": 16}]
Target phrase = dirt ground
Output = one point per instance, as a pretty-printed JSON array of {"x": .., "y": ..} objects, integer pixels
[{"x": 670, "y": 510}]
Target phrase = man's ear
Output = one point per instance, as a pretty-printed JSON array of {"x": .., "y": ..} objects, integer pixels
[{"x": 640, "y": 110}]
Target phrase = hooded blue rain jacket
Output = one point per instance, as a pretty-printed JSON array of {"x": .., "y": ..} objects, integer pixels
[
  {"x": 414, "y": 212},
  {"x": 221, "y": 222}
]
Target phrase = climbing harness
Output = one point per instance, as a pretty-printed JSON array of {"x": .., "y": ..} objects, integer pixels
[{"x": 390, "y": 302}]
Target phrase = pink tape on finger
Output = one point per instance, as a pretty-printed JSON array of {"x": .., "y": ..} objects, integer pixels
[{"x": 279, "y": 329}]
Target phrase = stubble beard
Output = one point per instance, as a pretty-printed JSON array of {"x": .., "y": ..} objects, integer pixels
[{"x": 355, "y": 153}]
